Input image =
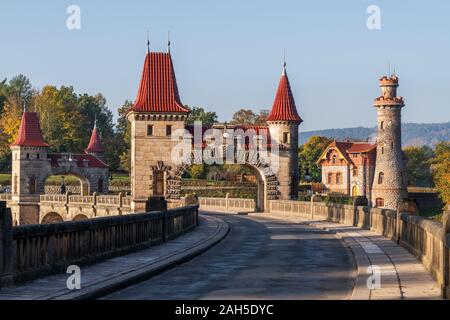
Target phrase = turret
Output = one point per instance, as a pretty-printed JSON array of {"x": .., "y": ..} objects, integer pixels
[
  {"x": 283, "y": 122},
  {"x": 95, "y": 146}
]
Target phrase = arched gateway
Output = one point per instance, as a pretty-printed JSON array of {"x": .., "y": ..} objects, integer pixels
[{"x": 163, "y": 146}]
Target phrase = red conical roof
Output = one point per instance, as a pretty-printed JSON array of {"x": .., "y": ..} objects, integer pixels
[
  {"x": 95, "y": 144},
  {"x": 158, "y": 91},
  {"x": 30, "y": 134},
  {"x": 283, "y": 108}
]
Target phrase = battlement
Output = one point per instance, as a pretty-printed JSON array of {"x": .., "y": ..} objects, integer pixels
[{"x": 391, "y": 81}]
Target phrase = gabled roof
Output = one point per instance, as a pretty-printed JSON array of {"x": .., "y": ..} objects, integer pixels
[
  {"x": 158, "y": 90},
  {"x": 345, "y": 148},
  {"x": 283, "y": 108},
  {"x": 30, "y": 134},
  {"x": 95, "y": 144}
]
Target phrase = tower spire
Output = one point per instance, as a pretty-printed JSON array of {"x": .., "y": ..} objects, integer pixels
[
  {"x": 168, "y": 41},
  {"x": 284, "y": 62},
  {"x": 148, "y": 41}
]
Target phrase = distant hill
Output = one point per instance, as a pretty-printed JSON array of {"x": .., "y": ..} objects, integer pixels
[{"x": 413, "y": 134}]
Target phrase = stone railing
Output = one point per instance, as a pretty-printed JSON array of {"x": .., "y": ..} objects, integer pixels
[
  {"x": 5, "y": 196},
  {"x": 57, "y": 189},
  {"x": 228, "y": 204},
  {"x": 94, "y": 200},
  {"x": 31, "y": 251},
  {"x": 426, "y": 239}
]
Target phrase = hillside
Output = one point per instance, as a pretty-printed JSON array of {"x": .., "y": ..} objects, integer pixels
[{"x": 413, "y": 134}]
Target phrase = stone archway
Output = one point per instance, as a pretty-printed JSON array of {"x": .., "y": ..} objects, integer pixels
[
  {"x": 52, "y": 217},
  {"x": 79, "y": 217},
  {"x": 267, "y": 181},
  {"x": 84, "y": 182}
]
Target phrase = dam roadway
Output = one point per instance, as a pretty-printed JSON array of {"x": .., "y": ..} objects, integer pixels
[{"x": 261, "y": 258}]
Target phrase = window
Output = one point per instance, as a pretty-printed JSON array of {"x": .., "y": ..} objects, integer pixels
[
  {"x": 355, "y": 155},
  {"x": 379, "y": 202},
  {"x": 285, "y": 137},
  {"x": 37, "y": 156},
  {"x": 380, "y": 178},
  {"x": 338, "y": 178},
  {"x": 330, "y": 178},
  {"x": 32, "y": 185},
  {"x": 392, "y": 144},
  {"x": 168, "y": 130},
  {"x": 149, "y": 130},
  {"x": 28, "y": 156},
  {"x": 334, "y": 159},
  {"x": 382, "y": 150},
  {"x": 355, "y": 171},
  {"x": 354, "y": 191},
  {"x": 382, "y": 125},
  {"x": 100, "y": 185},
  {"x": 159, "y": 183}
]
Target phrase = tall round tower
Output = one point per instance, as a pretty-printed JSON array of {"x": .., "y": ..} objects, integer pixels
[
  {"x": 283, "y": 122},
  {"x": 389, "y": 180}
]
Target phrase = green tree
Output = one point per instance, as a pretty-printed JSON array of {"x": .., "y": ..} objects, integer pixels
[
  {"x": 197, "y": 171},
  {"x": 199, "y": 114},
  {"x": 441, "y": 170},
  {"x": 418, "y": 167},
  {"x": 308, "y": 154},
  {"x": 248, "y": 117},
  {"x": 123, "y": 129},
  {"x": 60, "y": 118}
]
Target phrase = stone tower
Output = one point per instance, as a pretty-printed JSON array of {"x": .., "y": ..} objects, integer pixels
[
  {"x": 283, "y": 122},
  {"x": 29, "y": 165},
  {"x": 389, "y": 180},
  {"x": 156, "y": 113}
]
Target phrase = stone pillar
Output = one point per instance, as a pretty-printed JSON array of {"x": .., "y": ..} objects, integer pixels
[
  {"x": 446, "y": 253},
  {"x": 156, "y": 204},
  {"x": 6, "y": 245}
]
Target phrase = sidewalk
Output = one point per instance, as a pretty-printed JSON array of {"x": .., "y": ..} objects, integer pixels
[
  {"x": 109, "y": 275},
  {"x": 402, "y": 275}
]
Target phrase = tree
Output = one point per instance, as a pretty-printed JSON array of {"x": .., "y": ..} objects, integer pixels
[
  {"x": 418, "y": 167},
  {"x": 441, "y": 170},
  {"x": 248, "y": 117},
  {"x": 199, "y": 114},
  {"x": 60, "y": 119},
  {"x": 197, "y": 171},
  {"x": 123, "y": 130},
  {"x": 308, "y": 154}
]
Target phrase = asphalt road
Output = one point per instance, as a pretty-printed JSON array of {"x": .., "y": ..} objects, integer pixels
[{"x": 261, "y": 258}]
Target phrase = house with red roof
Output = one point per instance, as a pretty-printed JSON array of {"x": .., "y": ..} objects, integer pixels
[{"x": 348, "y": 167}]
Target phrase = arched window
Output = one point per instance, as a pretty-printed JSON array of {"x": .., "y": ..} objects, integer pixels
[
  {"x": 382, "y": 125},
  {"x": 382, "y": 150},
  {"x": 379, "y": 202},
  {"x": 380, "y": 178},
  {"x": 354, "y": 191},
  {"x": 334, "y": 159}
]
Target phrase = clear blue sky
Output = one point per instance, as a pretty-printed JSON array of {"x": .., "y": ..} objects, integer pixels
[{"x": 228, "y": 54}]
